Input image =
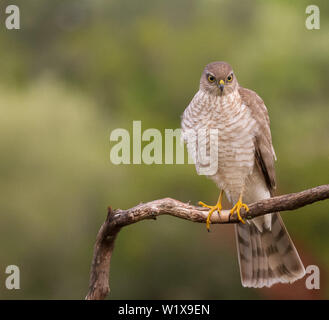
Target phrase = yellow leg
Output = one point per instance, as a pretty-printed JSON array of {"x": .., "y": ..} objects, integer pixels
[
  {"x": 217, "y": 207},
  {"x": 237, "y": 208}
]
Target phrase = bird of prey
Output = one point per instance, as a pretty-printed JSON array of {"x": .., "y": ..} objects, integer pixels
[{"x": 233, "y": 121}]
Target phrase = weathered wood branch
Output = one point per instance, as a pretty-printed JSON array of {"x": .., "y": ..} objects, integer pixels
[{"x": 116, "y": 219}]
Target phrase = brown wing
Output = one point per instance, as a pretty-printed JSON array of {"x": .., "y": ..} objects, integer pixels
[{"x": 264, "y": 152}]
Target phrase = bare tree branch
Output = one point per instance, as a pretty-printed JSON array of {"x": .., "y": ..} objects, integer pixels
[{"x": 100, "y": 268}]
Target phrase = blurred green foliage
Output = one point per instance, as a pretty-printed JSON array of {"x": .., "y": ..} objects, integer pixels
[{"x": 78, "y": 69}]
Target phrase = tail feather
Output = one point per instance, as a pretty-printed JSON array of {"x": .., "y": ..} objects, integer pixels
[{"x": 268, "y": 256}]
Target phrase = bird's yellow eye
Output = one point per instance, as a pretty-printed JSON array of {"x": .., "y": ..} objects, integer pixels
[
  {"x": 211, "y": 78},
  {"x": 230, "y": 78}
]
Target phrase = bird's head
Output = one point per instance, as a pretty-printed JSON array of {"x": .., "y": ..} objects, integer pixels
[{"x": 218, "y": 79}]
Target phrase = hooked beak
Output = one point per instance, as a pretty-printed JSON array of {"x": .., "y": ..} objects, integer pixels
[{"x": 221, "y": 85}]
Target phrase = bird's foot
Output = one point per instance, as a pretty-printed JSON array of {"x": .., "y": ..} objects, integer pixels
[
  {"x": 217, "y": 207},
  {"x": 237, "y": 209}
]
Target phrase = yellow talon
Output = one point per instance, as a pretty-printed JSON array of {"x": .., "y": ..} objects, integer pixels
[
  {"x": 217, "y": 207},
  {"x": 238, "y": 207}
]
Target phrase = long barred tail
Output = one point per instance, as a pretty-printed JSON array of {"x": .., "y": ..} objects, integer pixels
[{"x": 267, "y": 257}]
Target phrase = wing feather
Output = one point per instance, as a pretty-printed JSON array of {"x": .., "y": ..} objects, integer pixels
[{"x": 264, "y": 151}]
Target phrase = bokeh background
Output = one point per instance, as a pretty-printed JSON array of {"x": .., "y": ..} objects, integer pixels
[{"x": 78, "y": 69}]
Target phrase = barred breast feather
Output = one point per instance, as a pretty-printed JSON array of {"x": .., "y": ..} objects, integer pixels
[{"x": 231, "y": 122}]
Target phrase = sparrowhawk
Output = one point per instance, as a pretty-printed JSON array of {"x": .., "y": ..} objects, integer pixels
[{"x": 236, "y": 125}]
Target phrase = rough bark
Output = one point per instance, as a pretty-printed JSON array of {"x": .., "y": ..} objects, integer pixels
[{"x": 116, "y": 219}]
